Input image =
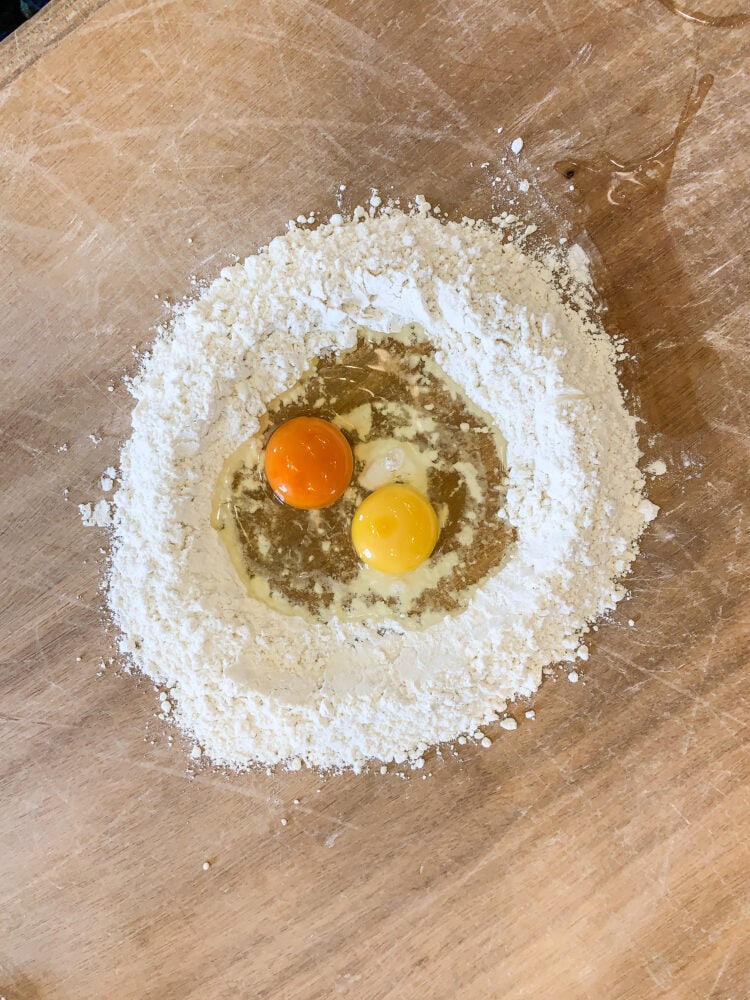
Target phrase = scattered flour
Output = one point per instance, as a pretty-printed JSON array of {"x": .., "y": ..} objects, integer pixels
[
  {"x": 657, "y": 468},
  {"x": 252, "y": 685},
  {"x": 96, "y": 515}
]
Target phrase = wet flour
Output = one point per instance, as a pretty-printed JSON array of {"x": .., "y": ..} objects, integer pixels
[{"x": 254, "y": 685}]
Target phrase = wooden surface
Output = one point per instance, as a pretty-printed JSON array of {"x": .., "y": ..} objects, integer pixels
[{"x": 600, "y": 851}]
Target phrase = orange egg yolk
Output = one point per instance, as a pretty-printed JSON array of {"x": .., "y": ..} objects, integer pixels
[
  {"x": 308, "y": 463},
  {"x": 395, "y": 529}
]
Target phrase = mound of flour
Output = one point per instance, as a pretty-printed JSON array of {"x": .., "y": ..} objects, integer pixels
[{"x": 252, "y": 685}]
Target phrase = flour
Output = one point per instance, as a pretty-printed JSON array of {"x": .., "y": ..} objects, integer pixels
[
  {"x": 96, "y": 515},
  {"x": 656, "y": 468},
  {"x": 253, "y": 685}
]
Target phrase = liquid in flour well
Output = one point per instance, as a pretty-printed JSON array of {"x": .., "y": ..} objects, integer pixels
[{"x": 407, "y": 422}]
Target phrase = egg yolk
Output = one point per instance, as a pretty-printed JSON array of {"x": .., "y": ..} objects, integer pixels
[
  {"x": 308, "y": 463},
  {"x": 395, "y": 529}
]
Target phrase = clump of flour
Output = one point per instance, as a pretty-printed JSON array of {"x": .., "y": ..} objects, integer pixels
[
  {"x": 96, "y": 515},
  {"x": 253, "y": 685}
]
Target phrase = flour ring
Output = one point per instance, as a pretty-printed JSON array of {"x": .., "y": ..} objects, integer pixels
[{"x": 255, "y": 686}]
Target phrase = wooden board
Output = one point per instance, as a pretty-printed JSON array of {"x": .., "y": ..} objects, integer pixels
[{"x": 600, "y": 851}]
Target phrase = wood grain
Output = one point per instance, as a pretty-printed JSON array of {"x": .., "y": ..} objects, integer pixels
[
  {"x": 601, "y": 850},
  {"x": 49, "y": 26}
]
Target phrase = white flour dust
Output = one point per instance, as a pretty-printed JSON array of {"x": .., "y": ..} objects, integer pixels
[{"x": 253, "y": 685}]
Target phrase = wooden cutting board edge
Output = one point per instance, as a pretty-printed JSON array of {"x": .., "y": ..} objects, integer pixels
[{"x": 32, "y": 39}]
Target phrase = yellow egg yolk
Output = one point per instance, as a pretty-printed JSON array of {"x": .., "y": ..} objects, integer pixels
[{"x": 395, "y": 529}]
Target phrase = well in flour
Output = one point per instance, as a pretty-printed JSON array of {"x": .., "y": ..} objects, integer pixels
[
  {"x": 408, "y": 424},
  {"x": 254, "y": 685}
]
